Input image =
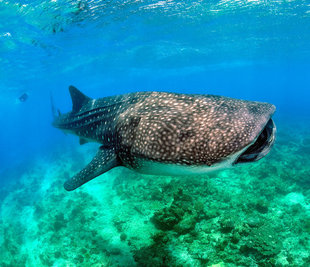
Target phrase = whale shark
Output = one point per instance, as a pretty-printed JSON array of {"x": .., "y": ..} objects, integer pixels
[{"x": 162, "y": 133}]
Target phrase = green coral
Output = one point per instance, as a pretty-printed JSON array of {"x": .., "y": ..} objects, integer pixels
[
  {"x": 181, "y": 216},
  {"x": 244, "y": 216},
  {"x": 262, "y": 242},
  {"x": 157, "y": 254}
]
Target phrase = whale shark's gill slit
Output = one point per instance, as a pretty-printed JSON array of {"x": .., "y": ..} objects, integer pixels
[
  {"x": 99, "y": 109},
  {"x": 93, "y": 119}
]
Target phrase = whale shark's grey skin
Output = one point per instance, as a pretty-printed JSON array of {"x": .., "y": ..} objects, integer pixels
[{"x": 167, "y": 133}]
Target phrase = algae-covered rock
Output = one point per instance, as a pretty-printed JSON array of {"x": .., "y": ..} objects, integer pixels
[
  {"x": 305, "y": 221},
  {"x": 181, "y": 216},
  {"x": 227, "y": 225},
  {"x": 235, "y": 237},
  {"x": 259, "y": 204},
  {"x": 262, "y": 242},
  {"x": 253, "y": 221},
  {"x": 123, "y": 237},
  {"x": 211, "y": 212},
  {"x": 157, "y": 254},
  {"x": 167, "y": 218},
  {"x": 186, "y": 224}
]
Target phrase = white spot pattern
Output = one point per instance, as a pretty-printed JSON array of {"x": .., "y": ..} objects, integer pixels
[{"x": 168, "y": 127}]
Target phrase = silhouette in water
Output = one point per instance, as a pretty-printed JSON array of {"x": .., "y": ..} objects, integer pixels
[{"x": 23, "y": 97}]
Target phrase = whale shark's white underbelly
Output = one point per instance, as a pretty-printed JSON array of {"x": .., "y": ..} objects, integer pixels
[{"x": 158, "y": 168}]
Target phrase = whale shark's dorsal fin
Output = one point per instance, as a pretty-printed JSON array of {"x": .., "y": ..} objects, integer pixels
[
  {"x": 78, "y": 98},
  {"x": 104, "y": 160}
]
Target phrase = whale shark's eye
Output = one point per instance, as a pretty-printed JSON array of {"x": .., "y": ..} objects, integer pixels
[{"x": 261, "y": 146}]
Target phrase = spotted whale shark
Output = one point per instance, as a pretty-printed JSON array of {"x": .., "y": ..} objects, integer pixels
[{"x": 163, "y": 133}]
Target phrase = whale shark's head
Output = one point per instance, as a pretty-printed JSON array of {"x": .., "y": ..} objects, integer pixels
[
  {"x": 261, "y": 145},
  {"x": 206, "y": 131},
  {"x": 254, "y": 130}
]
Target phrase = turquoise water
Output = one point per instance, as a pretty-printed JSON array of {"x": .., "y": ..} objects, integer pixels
[{"x": 255, "y": 214}]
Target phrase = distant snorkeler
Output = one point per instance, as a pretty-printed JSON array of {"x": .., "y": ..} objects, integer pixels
[
  {"x": 162, "y": 133},
  {"x": 23, "y": 97}
]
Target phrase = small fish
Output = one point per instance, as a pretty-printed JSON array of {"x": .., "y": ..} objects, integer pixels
[
  {"x": 167, "y": 133},
  {"x": 23, "y": 97}
]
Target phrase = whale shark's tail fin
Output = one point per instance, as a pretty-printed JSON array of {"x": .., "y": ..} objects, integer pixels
[{"x": 104, "y": 160}]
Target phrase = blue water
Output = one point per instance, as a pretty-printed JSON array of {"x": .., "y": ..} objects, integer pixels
[
  {"x": 256, "y": 50},
  {"x": 248, "y": 49}
]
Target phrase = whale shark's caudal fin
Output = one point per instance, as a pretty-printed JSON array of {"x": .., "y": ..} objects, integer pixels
[
  {"x": 104, "y": 160},
  {"x": 78, "y": 98}
]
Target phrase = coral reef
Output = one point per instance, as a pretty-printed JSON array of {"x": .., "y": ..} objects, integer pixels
[{"x": 252, "y": 215}]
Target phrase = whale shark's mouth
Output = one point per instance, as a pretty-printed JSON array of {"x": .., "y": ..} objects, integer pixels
[{"x": 261, "y": 146}]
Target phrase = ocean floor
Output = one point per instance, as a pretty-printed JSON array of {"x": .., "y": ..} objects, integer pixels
[{"x": 252, "y": 215}]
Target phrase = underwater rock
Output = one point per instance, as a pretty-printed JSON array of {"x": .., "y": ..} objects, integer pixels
[
  {"x": 123, "y": 237},
  {"x": 211, "y": 213},
  {"x": 79, "y": 259},
  {"x": 235, "y": 237},
  {"x": 253, "y": 221},
  {"x": 181, "y": 216},
  {"x": 115, "y": 251},
  {"x": 227, "y": 225},
  {"x": 167, "y": 218},
  {"x": 59, "y": 222},
  {"x": 186, "y": 224},
  {"x": 157, "y": 254},
  {"x": 243, "y": 229},
  {"x": 260, "y": 204},
  {"x": 262, "y": 242},
  {"x": 305, "y": 222}
]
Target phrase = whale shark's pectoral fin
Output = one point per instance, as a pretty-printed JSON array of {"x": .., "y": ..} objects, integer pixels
[{"x": 104, "y": 160}]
